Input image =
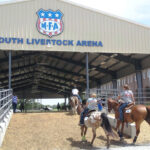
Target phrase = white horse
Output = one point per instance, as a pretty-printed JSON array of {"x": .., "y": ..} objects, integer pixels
[
  {"x": 94, "y": 121},
  {"x": 75, "y": 105}
]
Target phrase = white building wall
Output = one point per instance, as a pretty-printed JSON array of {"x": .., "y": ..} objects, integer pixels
[{"x": 117, "y": 35}]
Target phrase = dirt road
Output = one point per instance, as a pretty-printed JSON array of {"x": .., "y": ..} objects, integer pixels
[{"x": 56, "y": 131}]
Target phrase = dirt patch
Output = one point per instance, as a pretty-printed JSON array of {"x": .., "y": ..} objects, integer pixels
[{"x": 56, "y": 131}]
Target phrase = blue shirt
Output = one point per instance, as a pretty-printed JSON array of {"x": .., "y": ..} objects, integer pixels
[{"x": 14, "y": 99}]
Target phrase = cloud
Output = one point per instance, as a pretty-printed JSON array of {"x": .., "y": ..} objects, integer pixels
[{"x": 136, "y": 10}]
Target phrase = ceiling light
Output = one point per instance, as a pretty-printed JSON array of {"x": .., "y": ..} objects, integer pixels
[
  {"x": 113, "y": 55},
  {"x": 103, "y": 62}
]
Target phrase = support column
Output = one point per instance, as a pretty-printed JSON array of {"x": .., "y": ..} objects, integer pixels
[
  {"x": 9, "y": 73},
  {"x": 139, "y": 86},
  {"x": 65, "y": 100},
  {"x": 115, "y": 91},
  {"x": 114, "y": 82},
  {"x": 87, "y": 75}
]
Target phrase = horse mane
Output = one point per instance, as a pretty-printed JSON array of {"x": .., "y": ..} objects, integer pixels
[{"x": 113, "y": 101}]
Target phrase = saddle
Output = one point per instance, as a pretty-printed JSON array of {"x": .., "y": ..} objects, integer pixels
[
  {"x": 89, "y": 113},
  {"x": 129, "y": 106},
  {"x": 127, "y": 113}
]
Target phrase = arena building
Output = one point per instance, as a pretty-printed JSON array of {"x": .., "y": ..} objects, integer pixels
[{"x": 53, "y": 45}]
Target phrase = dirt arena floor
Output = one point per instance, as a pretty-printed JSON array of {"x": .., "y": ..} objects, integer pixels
[{"x": 57, "y": 131}]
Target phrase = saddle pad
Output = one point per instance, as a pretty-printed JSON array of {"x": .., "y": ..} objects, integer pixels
[{"x": 128, "y": 111}]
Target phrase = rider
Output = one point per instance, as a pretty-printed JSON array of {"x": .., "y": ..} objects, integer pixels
[
  {"x": 75, "y": 92},
  {"x": 125, "y": 98},
  {"x": 91, "y": 105}
]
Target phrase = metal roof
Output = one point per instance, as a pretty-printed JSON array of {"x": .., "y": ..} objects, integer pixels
[
  {"x": 53, "y": 74},
  {"x": 52, "y": 70}
]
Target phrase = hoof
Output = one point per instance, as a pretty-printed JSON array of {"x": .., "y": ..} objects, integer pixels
[
  {"x": 84, "y": 140},
  {"x": 91, "y": 144},
  {"x": 121, "y": 139},
  {"x": 108, "y": 146},
  {"x": 133, "y": 144}
]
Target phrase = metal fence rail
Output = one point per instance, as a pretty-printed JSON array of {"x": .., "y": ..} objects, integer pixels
[
  {"x": 5, "y": 102},
  {"x": 142, "y": 96}
]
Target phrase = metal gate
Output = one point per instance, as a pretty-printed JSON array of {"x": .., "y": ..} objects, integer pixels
[{"x": 5, "y": 102}]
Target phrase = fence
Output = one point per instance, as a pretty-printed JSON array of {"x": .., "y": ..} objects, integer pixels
[
  {"x": 5, "y": 111},
  {"x": 142, "y": 96},
  {"x": 5, "y": 103}
]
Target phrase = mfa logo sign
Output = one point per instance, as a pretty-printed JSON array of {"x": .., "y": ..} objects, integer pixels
[{"x": 50, "y": 22}]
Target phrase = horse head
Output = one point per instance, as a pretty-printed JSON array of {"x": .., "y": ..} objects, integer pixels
[{"x": 112, "y": 104}]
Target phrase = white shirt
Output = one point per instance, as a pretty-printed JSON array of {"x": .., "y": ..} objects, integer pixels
[
  {"x": 92, "y": 104},
  {"x": 75, "y": 91},
  {"x": 127, "y": 96}
]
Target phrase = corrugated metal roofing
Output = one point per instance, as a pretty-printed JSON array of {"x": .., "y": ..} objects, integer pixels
[{"x": 80, "y": 24}]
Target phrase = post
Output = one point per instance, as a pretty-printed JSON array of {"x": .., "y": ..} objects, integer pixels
[
  {"x": 9, "y": 83},
  {"x": 114, "y": 91},
  {"x": 87, "y": 75},
  {"x": 139, "y": 79},
  {"x": 139, "y": 86}
]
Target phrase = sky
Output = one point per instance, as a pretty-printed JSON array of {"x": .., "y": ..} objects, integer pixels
[
  {"x": 133, "y": 10},
  {"x": 52, "y": 101}
]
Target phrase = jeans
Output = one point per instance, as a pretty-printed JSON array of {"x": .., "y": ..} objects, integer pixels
[
  {"x": 78, "y": 97},
  {"x": 83, "y": 114},
  {"x": 14, "y": 107},
  {"x": 121, "y": 111}
]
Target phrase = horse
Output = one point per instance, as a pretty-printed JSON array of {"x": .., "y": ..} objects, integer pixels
[
  {"x": 22, "y": 107},
  {"x": 94, "y": 121},
  {"x": 133, "y": 113},
  {"x": 75, "y": 105}
]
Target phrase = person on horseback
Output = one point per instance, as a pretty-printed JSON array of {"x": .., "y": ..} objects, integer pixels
[
  {"x": 91, "y": 105},
  {"x": 75, "y": 92},
  {"x": 125, "y": 98}
]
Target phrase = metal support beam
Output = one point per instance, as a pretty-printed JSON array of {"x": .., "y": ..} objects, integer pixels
[
  {"x": 114, "y": 82},
  {"x": 139, "y": 86},
  {"x": 78, "y": 63},
  {"x": 9, "y": 73},
  {"x": 87, "y": 75}
]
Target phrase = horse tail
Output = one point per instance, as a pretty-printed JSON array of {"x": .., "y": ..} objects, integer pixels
[
  {"x": 106, "y": 125},
  {"x": 148, "y": 115}
]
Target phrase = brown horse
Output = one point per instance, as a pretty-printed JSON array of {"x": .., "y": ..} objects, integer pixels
[
  {"x": 137, "y": 114},
  {"x": 75, "y": 105},
  {"x": 94, "y": 121}
]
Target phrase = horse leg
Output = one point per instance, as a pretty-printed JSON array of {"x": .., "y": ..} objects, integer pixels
[
  {"x": 108, "y": 141},
  {"x": 137, "y": 131},
  {"x": 94, "y": 135},
  {"x": 118, "y": 125},
  {"x": 85, "y": 130},
  {"x": 82, "y": 130},
  {"x": 83, "y": 137},
  {"x": 83, "y": 133},
  {"x": 73, "y": 111},
  {"x": 121, "y": 134},
  {"x": 117, "y": 128}
]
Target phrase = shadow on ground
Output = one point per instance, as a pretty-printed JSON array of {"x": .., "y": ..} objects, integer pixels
[{"x": 82, "y": 145}]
